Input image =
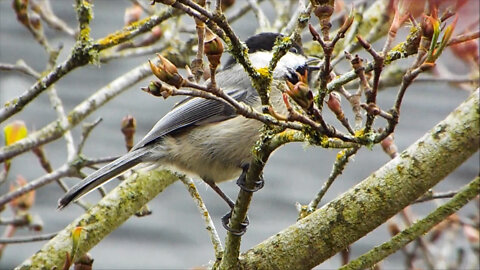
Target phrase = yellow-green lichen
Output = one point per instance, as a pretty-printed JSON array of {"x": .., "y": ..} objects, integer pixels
[
  {"x": 12, "y": 102},
  {"x": 264, "y": 71},
  {"x": 341, "y": 154},
  {"x": 114, "y": 38},
  {"x": 408, "y": 47},
  {"x": 137, "y": 24},
  {"x": 324, "y": 141},
  {"x": 85, "y": 33},
  {"x": 359, "y": 133},
  {"x": 400, "y": 169}
]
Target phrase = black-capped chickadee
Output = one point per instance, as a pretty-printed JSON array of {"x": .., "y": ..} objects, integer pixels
[{"x": 203, "y": 136}]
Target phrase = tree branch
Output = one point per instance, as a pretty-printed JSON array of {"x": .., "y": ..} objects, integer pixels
[
  {"x": 85, "y": 51},
  {"x": 418, "y": 229},
  {"x": 333, "y": 227},
  {"x": 57, "y": 128},
  {"x": 114, "y": 209}
]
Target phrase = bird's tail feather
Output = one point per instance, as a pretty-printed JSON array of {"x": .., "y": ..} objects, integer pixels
[{"x": 101, "y": 176}]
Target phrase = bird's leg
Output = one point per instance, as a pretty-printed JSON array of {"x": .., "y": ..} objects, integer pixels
[
  {"x": 226, "y": 217},
  {"x": 243, "y": 177},
  {"x": 224, "y": 196}
]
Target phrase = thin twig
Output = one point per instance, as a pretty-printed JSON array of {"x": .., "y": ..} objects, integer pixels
[
  {"x": 263, "y": 23},
  {"x": 434, "y": 196},
  {"x": 80, "y": 56},
  {"x": 20, "y": 66},
  {"x": 239, "y": 12},
  {"x": 419, "y": 228},
  {"x": 28, "y": 239},
  {"x": 55, "y": 129},
  {"x": 212, "y": 232},
  {"x": 131, "y": 52},
  {"x": 62, "y": 118},
  {"x": 338, "y": 167},
  {"x": 86, "y": 130},
  {"x": 63, "y": 171},
  {"x": 44, "y": 9},
  {"x": 463, "y": 37}
]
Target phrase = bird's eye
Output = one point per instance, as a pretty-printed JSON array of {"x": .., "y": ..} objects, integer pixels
[
  {"x": 292, "y": 76},
  {"x": 293, "y": 50}
]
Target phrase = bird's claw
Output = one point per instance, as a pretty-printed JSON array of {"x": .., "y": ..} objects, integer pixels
[
  {"x": 243, "y": 225},
  {"x": 241, "y": 181}
]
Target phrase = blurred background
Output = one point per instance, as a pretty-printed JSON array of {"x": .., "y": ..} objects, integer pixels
[{"x": 173, "y": 236}]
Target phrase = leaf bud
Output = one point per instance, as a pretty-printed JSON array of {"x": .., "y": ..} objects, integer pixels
[
  {"x": 129, "y": 125},
  {"x": 167, "y": 72},
  {"x": 334, "y": 105},
  {"x": 213, "y": 48},
  {"x": 301, "y": 94},
  {"x": 324, "y": 11}
]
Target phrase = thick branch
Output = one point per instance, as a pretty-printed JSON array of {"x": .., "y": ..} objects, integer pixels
[
  {"x": 100, "y": 220},
  {"x": 338, "y": 224},
  {"x": 418, "y": 229}
]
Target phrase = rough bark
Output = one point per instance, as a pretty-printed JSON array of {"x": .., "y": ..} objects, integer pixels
[
  {"x": 102, "y": 219},
  {"x": 321, "y": 234},
  {"x": 364, "y": 207}
]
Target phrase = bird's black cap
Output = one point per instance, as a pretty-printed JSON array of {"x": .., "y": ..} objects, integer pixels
[{"x": 264, "y": 42}]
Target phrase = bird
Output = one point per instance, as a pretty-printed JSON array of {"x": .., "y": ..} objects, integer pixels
[{"x": 207, "y": 137}]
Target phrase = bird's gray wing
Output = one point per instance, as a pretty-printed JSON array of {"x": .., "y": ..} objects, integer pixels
[{"x": 195, "y": 111}]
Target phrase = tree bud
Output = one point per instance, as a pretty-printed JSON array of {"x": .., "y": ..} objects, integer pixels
[
  {"x": 213, "y": 48},
  {"x": 301, "y": 94},
  {"x": 167, "y": 72},
  {"x": 334, "y": 105},
  {"x": 129, "y": 125}
]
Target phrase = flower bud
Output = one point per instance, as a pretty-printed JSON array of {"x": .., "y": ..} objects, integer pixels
[
  {"x": 144, "y": 211},
  {"x": 301, "y": 94},
  {"x": 35, "y": 223},
  {"x": 20, "y": 8},
  {"x": 153, "y": 88},
  {"x": 35, "y": 21},
  {"x": 348, "y": 22},
  {"x": 393, "y": 228},
  {"x": 427, "y": 28}
]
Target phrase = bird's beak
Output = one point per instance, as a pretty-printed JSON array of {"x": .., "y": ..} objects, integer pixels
[{"x": 313, "y": 63}]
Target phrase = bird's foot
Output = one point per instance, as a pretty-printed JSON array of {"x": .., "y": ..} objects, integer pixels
[
  {"x": 241, "y": 181},
  {"x": 243, "y": 225}
]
